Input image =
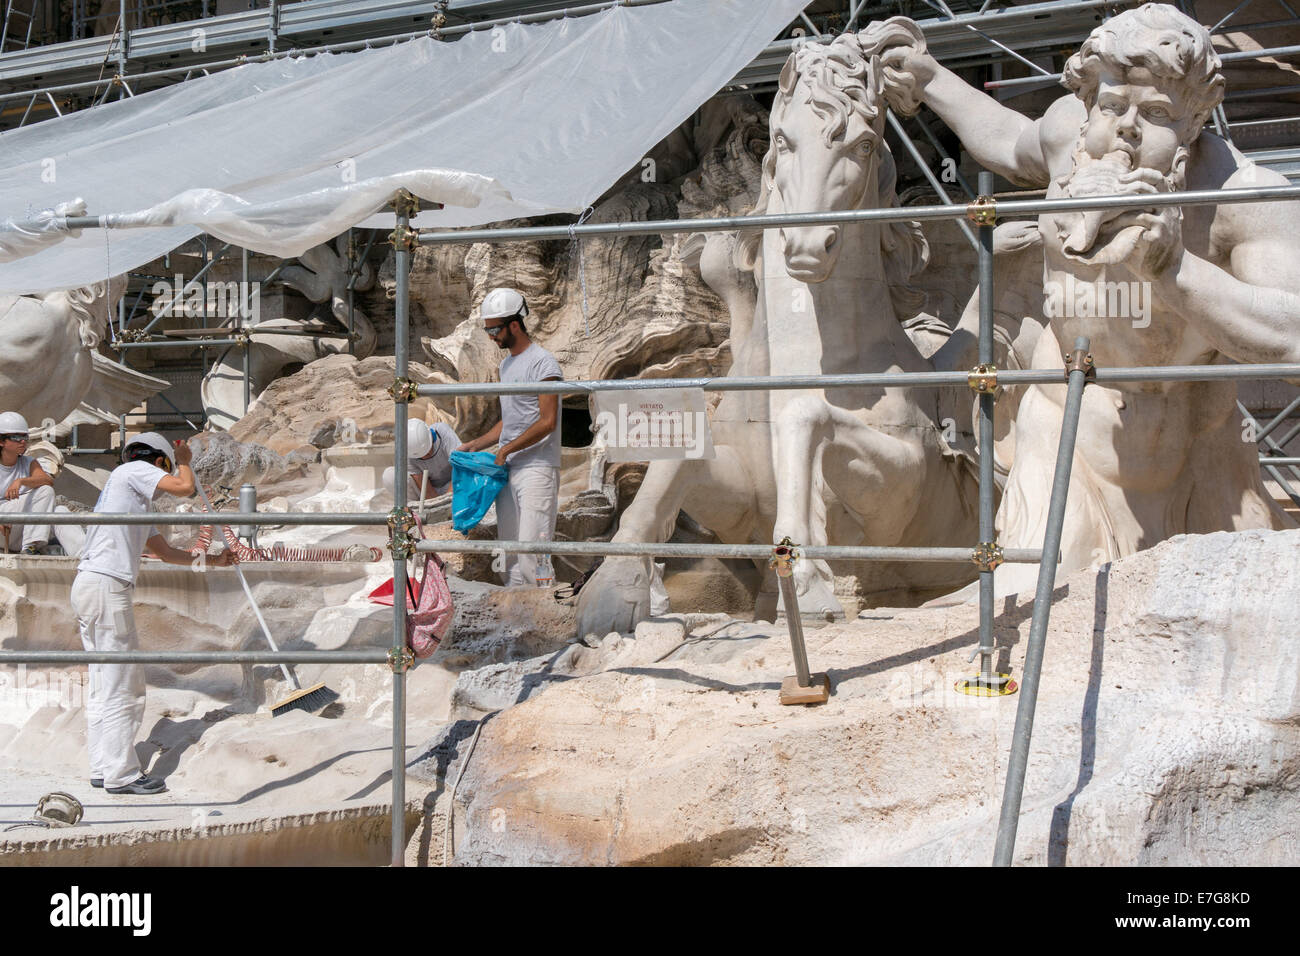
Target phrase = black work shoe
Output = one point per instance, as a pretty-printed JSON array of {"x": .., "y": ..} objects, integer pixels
[
  {"x": 97, "y": 783},
  {"x": 144, "y": 786},
  {"x": 36, "y": 550}
]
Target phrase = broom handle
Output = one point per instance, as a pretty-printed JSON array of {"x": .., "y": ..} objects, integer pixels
[{"x": 266, "y": 631}]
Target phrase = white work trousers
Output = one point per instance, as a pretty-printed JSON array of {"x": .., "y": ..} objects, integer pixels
[
  {"x": 38, "y": 501},
  {"x": 115, "y": 708},
  {"x": 526, "y": 509}
]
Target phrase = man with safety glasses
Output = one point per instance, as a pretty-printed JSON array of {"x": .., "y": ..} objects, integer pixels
[
  {"x": 528, "y": 435},
  {"x": 26, "y": 488}
]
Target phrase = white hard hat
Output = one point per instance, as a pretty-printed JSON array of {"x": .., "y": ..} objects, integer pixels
[
  {"x": 504, "y": 304},
  {"x": 419, "y": 439},
  {"x": 154, "y": 441},
  {"x": 11, "y": 423}
]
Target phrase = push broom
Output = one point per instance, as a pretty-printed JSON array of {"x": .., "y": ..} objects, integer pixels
[{"x": 308, "y": 699}]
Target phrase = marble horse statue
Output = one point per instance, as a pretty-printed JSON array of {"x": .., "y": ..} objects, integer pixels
[{"x": 839, "y": 466}]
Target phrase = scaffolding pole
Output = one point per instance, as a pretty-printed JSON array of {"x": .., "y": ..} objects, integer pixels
[{"x": 1079, "y": 367}]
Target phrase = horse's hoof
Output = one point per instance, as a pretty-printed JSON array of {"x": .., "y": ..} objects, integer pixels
[{"x": 616, "y": 598}]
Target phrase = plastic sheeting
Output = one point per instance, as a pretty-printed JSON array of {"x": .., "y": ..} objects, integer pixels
[{"x": 521, "y": 120}]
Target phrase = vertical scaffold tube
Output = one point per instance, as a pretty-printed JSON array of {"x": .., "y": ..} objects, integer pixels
[
  {"x": 986, "y": 402},
  {"x": 402, "y": 258},
  {"x": 1011, "y": 796}
]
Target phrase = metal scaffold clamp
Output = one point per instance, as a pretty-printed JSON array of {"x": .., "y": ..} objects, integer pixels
[
  {"x": 400, "y": 659},
  {"x": 401, "y": 522},
  {"x": 987, "y": 555},
  {"x": 404, "y": 237},
  {"x": 403, "y": 389},
  {"x": 1080, "y": 360},
  {"x": 983, "y": 379},
  {"x": 783, "y": 558},
  {"x": 983, "y": 211},
  {"x": 131, "y": 335}
]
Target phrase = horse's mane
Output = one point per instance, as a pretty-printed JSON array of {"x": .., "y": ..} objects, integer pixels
[{"x": 844, "y": 78}]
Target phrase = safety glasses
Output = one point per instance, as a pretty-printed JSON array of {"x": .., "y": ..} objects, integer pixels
[{"x": 16, "y": 439}]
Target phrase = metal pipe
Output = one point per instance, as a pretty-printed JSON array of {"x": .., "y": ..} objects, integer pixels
[
  {"x": 1265, "y": 460},
  {"x": 329, "y": 519},
  {"x": 1223, "y": 58},
  {"x": 1279, "y": 418},
  {"x": 179, "y": 344},
  {"x": 1032, "y": 671},
  {"x": 929, "y": 175},
  {"x": 798, "y": 649},
  {"x": 987, "y": 483},
  {"x": 1006, "y": 208},
  {"x": 723, "y": 551},
  {"x": 402, "y": 264},
  {"x": 1169, "y": 373},
  {"x": 376, "y": 656},
  {"x": 244, "y": 311}
]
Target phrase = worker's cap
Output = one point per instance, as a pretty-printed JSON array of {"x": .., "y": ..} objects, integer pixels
[
  {"x": 154, "y": 441},
  {"x": 504, "y": 303},
  {"x": 419, "y": 439}
]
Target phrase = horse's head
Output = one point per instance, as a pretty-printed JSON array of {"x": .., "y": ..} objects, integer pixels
[
  {"x": 827, "y": 150},
  {"x": 826, "y": 127}
]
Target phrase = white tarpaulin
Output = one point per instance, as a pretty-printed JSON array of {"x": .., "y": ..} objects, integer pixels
[{"x": 278, "y": 157}]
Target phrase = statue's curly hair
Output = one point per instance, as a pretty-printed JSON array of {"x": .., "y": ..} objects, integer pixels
[{"x": 1161, "y": 39}]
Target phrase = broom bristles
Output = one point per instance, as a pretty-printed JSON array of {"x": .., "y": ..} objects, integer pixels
[{"x": 307, "y": 699}]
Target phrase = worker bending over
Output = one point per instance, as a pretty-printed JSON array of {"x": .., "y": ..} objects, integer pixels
[
  {"x": 428, "y": 452},
  {"x": 101, "y": 600},
  {"x": 528, "y": 433},
  {"x": 26, "y": 488}
]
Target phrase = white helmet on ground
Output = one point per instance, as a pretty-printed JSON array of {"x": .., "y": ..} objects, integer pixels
[
  {"x": 11, "y": 423},
  {"x": 157, "y": 443},
  {"x": 504, "y": 304},
  {"x": 419, "y": 439}
]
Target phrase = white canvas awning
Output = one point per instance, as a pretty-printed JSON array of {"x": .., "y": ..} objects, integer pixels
[{"x": 278, "y": 157}]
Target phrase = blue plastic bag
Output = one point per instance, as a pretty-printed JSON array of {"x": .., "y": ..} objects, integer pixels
[{"x": 476, "y": 479}]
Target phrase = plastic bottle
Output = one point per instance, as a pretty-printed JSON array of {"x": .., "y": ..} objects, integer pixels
[{"x": 545, "y": 573}]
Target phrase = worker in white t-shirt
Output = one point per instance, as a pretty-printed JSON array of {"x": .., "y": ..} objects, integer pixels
[
  {"x": 26, "y": 488},
  {"x": 528, "y": 434},
  {"x": 101, "y": 600},
  {"x": 428, "y": 453}
]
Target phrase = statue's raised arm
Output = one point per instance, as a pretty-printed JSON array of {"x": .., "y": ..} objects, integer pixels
[{"x": 1000, "y": 139}]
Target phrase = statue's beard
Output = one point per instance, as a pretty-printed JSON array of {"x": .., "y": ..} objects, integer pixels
[{"x": 1095, "y": 237}]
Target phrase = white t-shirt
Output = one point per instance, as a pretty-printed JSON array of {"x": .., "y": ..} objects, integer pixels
[
  {"x": 22, "y": 468},
  {"x": 518, "y": 412},
  {"x": 438, "y": 464},
  {"x": 116, "y": 550}
]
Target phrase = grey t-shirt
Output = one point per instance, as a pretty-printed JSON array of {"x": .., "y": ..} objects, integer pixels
[
  {"x": 115, "y": 550},
  {"x": 22, "y": 468},
  {"x": 438, "y": 465},
  {"x": 518, "y": 412}
]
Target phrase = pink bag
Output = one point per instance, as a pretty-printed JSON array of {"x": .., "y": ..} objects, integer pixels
[{"x": 430, "y": 610}]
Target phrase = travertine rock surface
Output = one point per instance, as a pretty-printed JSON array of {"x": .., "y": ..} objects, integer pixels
[{"x": 1165, "y": 733}]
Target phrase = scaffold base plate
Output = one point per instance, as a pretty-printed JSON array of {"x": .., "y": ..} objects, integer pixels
[
  {"x": 818, "y": 690},
  {"x": 1000, "y": 685}
]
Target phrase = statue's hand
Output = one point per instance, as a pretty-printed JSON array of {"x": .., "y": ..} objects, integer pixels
[{"x": 905, "y": 64}]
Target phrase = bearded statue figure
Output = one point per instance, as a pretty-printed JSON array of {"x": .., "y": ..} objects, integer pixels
[{"x": 1148, "y": 286}]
